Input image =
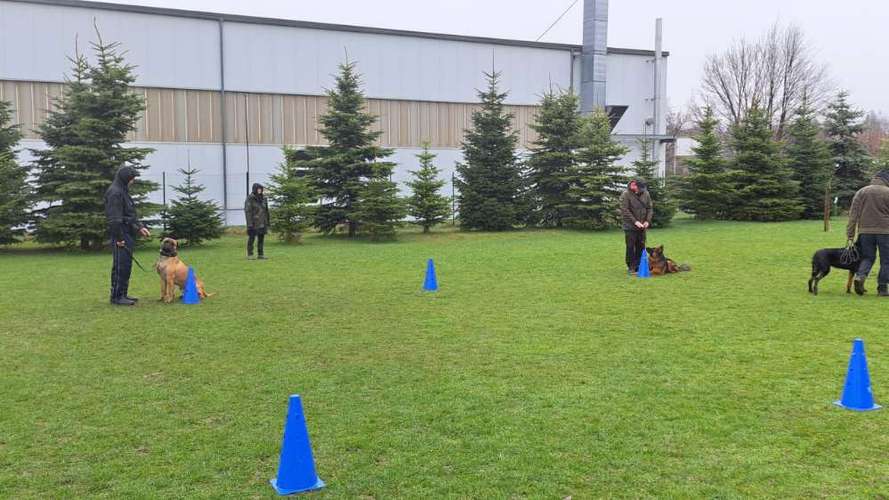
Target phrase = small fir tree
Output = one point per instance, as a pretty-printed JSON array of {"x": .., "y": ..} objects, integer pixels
[
  {"x": 881, "y": 162},
  {"x": 596, "y": 181},
  {"x": 292, "y": 197},
  {"x": 14, "y": 187},
  {"x": 553, "y": 156},
  {"x": 707, "y": 190},
  {"x": 851, "y": 161},
  {"x": 809, "y": 160},
  {"x": 189, "y": 219},
  {"x": 341, "y": 171},
  {"x": 427, "y": 205},
  {"x": 489, "y": 180},
  {"x": 661, "y": 197},
  {"x": 380, "y": 210},
  {"x": 85, "y": 133},
  {"x": 765, "y": 190}
]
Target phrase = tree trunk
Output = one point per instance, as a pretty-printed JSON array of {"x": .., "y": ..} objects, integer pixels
[
  {"x": 425, "y": 229},
  {"x": 353, "y": 229}
]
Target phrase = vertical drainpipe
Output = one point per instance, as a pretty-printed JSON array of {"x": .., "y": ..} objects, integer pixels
[
  {"x": 224, "y": 121},
  {"x": 657, "y": 101}
]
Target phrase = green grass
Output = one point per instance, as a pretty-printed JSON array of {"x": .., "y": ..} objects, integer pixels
[{"x": 539, "y": 370}]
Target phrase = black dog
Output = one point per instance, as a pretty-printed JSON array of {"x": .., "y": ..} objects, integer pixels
[{"x": 839, "y": 258}]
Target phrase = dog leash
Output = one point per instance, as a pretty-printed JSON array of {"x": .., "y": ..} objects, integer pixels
[{"x": 134, "y": 259}]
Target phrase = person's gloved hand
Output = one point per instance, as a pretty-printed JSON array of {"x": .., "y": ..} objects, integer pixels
[{"x": 640, "y": 225}]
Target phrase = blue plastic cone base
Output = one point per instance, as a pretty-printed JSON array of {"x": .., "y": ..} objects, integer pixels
[
  {"x": 431, "y": 283},
  {"x": 190, "y": 294},
  {"x": 296, "y": 468},
  {"x": 644, "y": 272},
  {"x": 857, "y": 392},
  {"x": 283, "y": 491}
]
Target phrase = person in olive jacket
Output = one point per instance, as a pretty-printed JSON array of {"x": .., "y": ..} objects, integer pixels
[
  {"x": 256, "y": 209},
  {"x": 123, "y": 226},
  {"x": 636, "y": 211},
  {"x": 869, "y": 218}
]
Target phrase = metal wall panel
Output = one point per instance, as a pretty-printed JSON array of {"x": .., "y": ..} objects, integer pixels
[
  {"x": 286, "y": 60},
  {"x": 631, "y": 83},
  {"x": 35, "y": 41}
]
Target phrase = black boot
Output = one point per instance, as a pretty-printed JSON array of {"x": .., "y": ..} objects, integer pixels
[
  {"x": 859, "y": 285},
  {"x": 882, "y": 291},
  {"x": 123, "y": 301}
]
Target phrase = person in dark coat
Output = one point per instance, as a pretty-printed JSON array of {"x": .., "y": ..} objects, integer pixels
[
  {"x": 869, "y": 219},
  {"x": 123, "y": 227},
  {"x": 636, "y": 211},
  {"x": 256, "y": 210}
]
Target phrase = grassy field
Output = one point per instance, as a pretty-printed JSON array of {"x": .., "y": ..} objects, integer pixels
[{"x": 539, "y": 370}]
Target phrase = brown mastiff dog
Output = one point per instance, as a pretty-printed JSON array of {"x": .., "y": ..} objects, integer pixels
[{"x": 173, "y": 271}]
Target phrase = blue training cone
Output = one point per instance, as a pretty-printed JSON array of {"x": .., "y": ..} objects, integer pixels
[
  {"x": 190, "y": 294},
  {"x": 644, "y": 272},
  {"x": 296, "y": 470},
  {"x": 857, "y": 393},
  {"x": 431, "y": 283}
]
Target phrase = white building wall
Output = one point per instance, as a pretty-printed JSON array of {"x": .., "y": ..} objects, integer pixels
[{"x": 36, "y": 41}]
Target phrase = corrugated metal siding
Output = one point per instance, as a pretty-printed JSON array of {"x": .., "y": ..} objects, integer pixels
[{"x": 194, "y": 116}]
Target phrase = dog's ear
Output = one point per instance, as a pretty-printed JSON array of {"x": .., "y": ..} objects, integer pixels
[{"x": 660, "y": 248}]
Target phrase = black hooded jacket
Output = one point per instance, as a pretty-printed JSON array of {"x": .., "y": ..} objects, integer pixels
[
  {"x": 120, "y": 211},
  {"x": 256, "y": 209}
]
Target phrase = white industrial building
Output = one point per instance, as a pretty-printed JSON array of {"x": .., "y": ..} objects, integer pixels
[{"x": 218, "y": 86}]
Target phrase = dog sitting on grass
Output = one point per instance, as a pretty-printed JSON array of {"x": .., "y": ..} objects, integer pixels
[
  {"x": 841, "y": 258},
  {"x": 174, "y": 272},
  {"x": 659, "y": 264}
]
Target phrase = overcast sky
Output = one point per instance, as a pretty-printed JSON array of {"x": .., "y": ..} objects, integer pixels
[{"x": 850, "y": 36}]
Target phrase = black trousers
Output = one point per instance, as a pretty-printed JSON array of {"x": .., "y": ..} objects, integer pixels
[
  {"x": 635, "y": 245},
  {"x": 121, "y": 267},
  {"x": 259, "y": 236},
  {"x": 869, "y": 244}
]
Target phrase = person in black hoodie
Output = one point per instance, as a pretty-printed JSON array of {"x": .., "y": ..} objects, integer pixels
[
  {"x": 256, "y": 211},
  {"x": 123, "y": 226}
]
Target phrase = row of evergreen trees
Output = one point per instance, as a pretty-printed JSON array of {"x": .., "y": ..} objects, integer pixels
[
  {"x": 61, "y": 194},
  {"x": 571, "y": 177},
  {"x": 751, "y": 176}
]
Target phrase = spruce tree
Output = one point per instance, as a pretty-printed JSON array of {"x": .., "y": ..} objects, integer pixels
[
  {"x": 552, "y": 156},
  {"x": 707, "y": 190},
  {"x": 596, "y": 181},
  {"x": 190, "y": 219},
  {"x": 291, "y": 195},
  {"x": 14, "y": 187},
  {"x": 661, "y": 197},
  {"x": 489, "y": 180},
  {"x": 341, "y": 171},
  {"x": 809, "y": 160},
  {"x": 427, "y": 205},
  {"x": 765, "y": 190},
  {"x": 84, "y": 133},
  {"x": 881, "y": 162},
  {"x": 851, "y": 161},
  {"x": 379, "y": 209}
]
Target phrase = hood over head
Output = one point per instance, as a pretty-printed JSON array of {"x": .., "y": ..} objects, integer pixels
[
  {"x": 882, "y": 177},
  {"x": 125, "y": 175},
  {"x": 256, "y": 187}
]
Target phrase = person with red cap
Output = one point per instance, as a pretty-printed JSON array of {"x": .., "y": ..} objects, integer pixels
[{"x": 636, "y": 211}]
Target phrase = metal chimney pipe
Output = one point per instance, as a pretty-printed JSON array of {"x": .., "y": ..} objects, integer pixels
[
  {"x": 593, "y": 69},
  {"x": 657, "y": 101}
]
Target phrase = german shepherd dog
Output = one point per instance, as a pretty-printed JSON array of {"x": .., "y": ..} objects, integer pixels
[
  {"x": 659, "y": 264},
  {"x": 826, "y": 258},
  {"x": 174, "y": 272}
]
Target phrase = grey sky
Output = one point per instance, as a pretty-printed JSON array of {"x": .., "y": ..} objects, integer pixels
[{"x": 849, "y": 36}]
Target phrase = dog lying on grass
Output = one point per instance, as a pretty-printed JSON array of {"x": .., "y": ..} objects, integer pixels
[
  {"x": 840, "y": 258},
  {"x": 659, "y": 264},
  {"x": 173, "y": 271}
]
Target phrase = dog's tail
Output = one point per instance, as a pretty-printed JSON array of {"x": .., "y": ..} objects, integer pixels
[{"x": 684, "y": 268}]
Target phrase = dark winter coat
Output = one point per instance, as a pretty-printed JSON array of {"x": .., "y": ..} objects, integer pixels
[
  {"x": 635, "y": 207},
  {"x": 256, "y": 210},
  {"x": 870, "y": 208},
  {"x": 120, "y": 211}
]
